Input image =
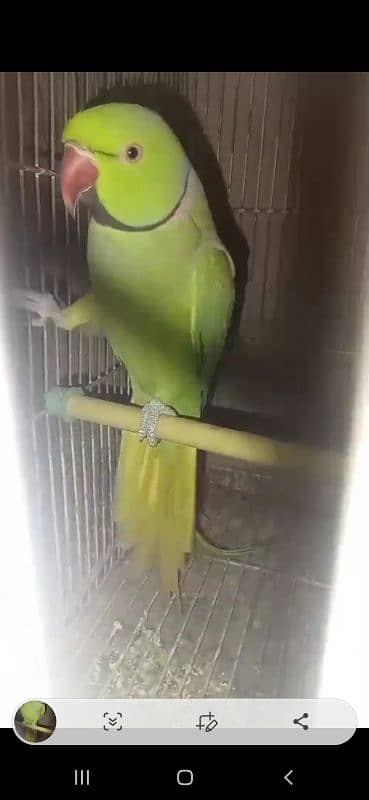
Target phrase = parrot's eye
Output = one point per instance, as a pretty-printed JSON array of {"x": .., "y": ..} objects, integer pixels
[{"x": 133, "y": 152}]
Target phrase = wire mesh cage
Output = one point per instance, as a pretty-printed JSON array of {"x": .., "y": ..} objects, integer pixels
[{"x": 293, "y": 169}]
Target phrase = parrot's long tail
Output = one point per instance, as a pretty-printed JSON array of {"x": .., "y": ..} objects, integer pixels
[{"x": 155, "y": 505}]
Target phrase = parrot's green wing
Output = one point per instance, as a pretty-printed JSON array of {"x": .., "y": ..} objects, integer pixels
[
  {"x": 213, "y": 299},
  {"x": 212, "y": 304}
]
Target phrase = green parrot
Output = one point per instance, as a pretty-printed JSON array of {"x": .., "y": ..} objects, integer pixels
[
  {"x": 162, "y": 291},
  {"x": 31, "y": 712}
]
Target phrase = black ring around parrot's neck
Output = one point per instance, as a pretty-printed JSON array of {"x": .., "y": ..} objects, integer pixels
[{"x": 102, "y": 216}]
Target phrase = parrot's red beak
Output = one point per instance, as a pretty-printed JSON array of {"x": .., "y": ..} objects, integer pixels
[{"x": 78, "y": 173}]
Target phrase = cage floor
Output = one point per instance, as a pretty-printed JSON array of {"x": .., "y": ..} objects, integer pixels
[{"x": 252, "y": 629}]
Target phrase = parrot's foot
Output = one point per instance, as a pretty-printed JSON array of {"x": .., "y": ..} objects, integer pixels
[
  {"x": 149, "y": 420},
  {"x": 42, "y": 304}
]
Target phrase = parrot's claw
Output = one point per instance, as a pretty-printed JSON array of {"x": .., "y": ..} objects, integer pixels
[
  {"x": 43, "y": 304},
  {"x": 149, "y": 420}
]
